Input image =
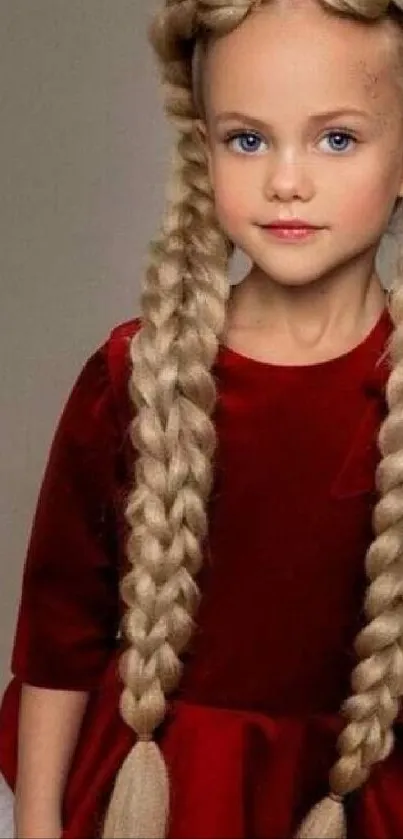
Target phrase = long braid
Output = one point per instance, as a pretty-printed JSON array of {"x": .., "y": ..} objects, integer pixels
[
  {"x": 377, "y": 680},
  {"x": 184, "y": 302}
]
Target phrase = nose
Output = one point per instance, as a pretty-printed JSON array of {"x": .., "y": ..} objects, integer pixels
[{"x": 288, "y": 178}]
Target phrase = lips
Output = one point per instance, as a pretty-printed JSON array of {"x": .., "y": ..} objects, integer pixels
[
  {"x": 291, "y": 225},
  {"x": 290, "y": 232}
]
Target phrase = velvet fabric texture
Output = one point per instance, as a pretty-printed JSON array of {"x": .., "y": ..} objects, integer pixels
[{"x": 250, "y": 734}]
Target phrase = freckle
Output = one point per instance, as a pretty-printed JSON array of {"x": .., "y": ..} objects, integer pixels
[
  {"x": 370, "y": 79},
  {"x": 371, "y": 84}
]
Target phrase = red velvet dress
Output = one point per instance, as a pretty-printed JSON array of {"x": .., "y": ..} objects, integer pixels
[{"x": 250, "y": 734}]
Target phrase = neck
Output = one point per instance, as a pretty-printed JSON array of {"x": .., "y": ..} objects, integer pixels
[{"x": 321, "y": 312}]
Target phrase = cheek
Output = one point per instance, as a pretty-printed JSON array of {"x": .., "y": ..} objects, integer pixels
[
  {"x": 368, "y": 198},
  {"x": 228, "y": 204},
  {"x": 235, "y": 192}
]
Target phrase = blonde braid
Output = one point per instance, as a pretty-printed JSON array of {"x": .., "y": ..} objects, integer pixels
[
  {"x": 184, "y": 302},
  {"x": 378, "y": 678}
]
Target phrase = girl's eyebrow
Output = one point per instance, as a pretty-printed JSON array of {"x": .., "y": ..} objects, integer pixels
[{"x": 225, "y": 116}]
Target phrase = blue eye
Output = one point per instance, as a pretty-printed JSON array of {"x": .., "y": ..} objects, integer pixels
[
  {"x": 339, "y": 139},
  {"x": 249, "y": 142}
]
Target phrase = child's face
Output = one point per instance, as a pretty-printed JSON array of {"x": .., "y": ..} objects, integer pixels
[{"x": 283, "y": 66}]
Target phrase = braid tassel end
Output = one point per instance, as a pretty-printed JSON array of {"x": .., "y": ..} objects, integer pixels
[
  {"x": 140, "y": 799},
  {"x": 327, "y": 820}
]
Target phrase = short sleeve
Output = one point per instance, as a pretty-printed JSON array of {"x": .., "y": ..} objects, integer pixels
[{"x": 69, "y": 608}]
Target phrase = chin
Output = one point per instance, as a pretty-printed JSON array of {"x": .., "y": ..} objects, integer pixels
[{"x": 295, "y": 279}]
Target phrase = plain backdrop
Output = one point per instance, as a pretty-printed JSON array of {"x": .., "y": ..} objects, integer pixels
[{"x": 84, "y": 153}]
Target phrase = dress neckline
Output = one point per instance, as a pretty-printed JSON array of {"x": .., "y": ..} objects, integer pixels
[{"x": 373, "y": 340}]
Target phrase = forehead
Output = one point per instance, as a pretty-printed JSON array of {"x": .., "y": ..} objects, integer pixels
[{"x": 297, "y": 54}]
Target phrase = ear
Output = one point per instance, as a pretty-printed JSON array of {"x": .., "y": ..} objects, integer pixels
[{"x": 201, "y": 129}]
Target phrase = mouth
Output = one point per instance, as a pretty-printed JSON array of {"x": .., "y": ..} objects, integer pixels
[
  {"x": 290, "y": 231},
  {"x": 292, "y": 224}
]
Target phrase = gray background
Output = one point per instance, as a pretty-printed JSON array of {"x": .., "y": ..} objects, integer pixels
[
  {"x": 83, "y": 157},
  {"x": 84, "y": 152}
]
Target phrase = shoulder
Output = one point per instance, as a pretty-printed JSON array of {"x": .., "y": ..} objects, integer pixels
[
  {"x": 117, "y": 357},
  {"x": 124, "y": 332},
  {"x": 102, "y": 365},
  {"x": 114, "y": 359},
  {"x": 98, "y": 404}
]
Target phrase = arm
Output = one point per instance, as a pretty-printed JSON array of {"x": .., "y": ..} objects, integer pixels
[
  {"x": 69, "y": 607},
  {"x": 49, "y": 725}
]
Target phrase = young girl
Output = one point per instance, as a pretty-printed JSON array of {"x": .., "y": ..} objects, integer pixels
[{"x": 209, "y": 639}]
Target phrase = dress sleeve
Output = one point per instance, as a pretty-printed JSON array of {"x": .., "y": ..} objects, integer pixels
[{"x": 69, "y": 608}]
